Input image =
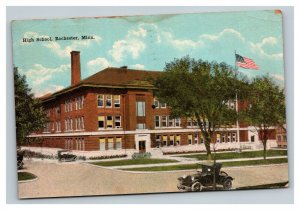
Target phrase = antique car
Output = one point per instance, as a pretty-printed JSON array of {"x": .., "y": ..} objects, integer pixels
[
  {"x": 20, "y": 163},
  {"x": 66, "y": 156},
  {"x": 205, "y": 179}
]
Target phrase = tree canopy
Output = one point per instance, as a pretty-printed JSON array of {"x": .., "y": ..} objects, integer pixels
[
  {"x": 30, "y": 115},
  {"x": 266, "y": 107},
  {"x": 200, "y": 90}
]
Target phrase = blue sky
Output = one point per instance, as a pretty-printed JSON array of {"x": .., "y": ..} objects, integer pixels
[{"x": 147, "y": 42}]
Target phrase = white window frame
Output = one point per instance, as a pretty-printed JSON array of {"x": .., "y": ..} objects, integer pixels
[
  {"x": 117, "y": 101},
  {"x": 103, "y": 100},
  {"x": 112, "y": 119},
  {"x": 171, "y": 120},
  {"x": 108, "y": 98},
  {"x": 120, "y": 121},
  {"x": 143, "y": 106},
  {"x": 156, "y": 121},
  {"x": 177, "y": 120},
  {"x": 156, "y": 103},
  {"x": 163, "y": 105},
  {"x": 164, "y": 120}
]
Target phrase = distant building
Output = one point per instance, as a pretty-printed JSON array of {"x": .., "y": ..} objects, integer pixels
[
  {"x": 115, "y": 111},
  {"x": 281, "y": 136}
]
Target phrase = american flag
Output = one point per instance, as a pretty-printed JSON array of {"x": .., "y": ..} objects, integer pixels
[{"x": 245, "y": 63}]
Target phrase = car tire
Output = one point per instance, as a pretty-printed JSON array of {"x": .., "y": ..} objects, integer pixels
[
  {"x": 196, "y": 187},
  {"x": 227, "y": 184},
  {"x": 20, "y": 165}
]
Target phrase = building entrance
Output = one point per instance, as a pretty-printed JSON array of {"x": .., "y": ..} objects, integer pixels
[{"x": 142, "y": 146}]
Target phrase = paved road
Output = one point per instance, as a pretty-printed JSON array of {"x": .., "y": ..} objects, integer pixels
[{"x": 78, "y": 179}]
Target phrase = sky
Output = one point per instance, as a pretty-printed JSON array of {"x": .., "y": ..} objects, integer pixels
[{"x": 146, "y": 43}]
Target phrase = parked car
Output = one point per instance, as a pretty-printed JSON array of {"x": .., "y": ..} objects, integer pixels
[
  {"x": 20, "y": 156},
  {"x": 205, "y": 178},
  {"x": 66, "y": 156}
]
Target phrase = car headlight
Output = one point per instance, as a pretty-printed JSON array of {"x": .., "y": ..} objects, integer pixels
[{"x": 193, "y": 178}]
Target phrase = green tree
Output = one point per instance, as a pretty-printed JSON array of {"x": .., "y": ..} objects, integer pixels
[
  {"x": 200, "y": 90},
  {"x": 30, "y": 115},
  {"x": 266, "y": 107}
]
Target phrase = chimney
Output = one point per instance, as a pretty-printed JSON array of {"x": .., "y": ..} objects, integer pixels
[{"x": 75, "y": 68}]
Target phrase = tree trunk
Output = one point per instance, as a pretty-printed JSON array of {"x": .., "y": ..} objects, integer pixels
[
  {"x": 265, "y": 148},
  {"x": 207, "y": 147}
]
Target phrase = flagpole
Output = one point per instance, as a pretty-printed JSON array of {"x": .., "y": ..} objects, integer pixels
[{"x": 237, "y": 107}]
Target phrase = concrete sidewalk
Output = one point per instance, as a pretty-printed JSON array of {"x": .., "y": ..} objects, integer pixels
[{"x": 183, "y": 162}]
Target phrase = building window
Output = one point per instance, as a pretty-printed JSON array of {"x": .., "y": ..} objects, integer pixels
[
  {"x": 172, "y": 140},
  {"x": 228, "y": 137},
  {"x": 47, "y": 127},
  {"x": 196, "y": 138},
  {"x": 163, "y": 105},
  {"x": 141, "y": 126},
  {"x": 79, "y": 102},
  {"x": 218, "y": 138},
  {"x": 201, "y": 139},
  {"x": 156, "y": 103},
  {"x": 100, "y": 100},
  {"x": 140, "y": 108},
  {"x": 252, "y": 139},
  {"x": 157, "y": 121},
  {"x": 109, "y": 121},
  {"x": 190, "y": 139},
  {"x": 178, "y": 140},
  {"x": 233, "y": 137},
  {"x": 118, "y": 143},
  {"x": 57, "y": 110},
  {"x": 223, "y": 137},
  {"x": 117, "y": 121},
  {"x": 101, "y": 122},
  {"x": 177, "y": 122},
  {"x": 164, "y": 121},
  {"x": 171, "y": 122},
  {"x": 110, "y": 144},
  {"x": 157, "y": 140},
  {"x": 71, "y": 124},
  {"x": 58, "y": 127},
  {"x": 108, "y": 101},
  {"x": 82, "y": 123},
  {"x": 102, "y": 144},
  {"x": 117, "y": 101},
  {"x": 164, "y": 140},
  {"x": 189, "y": 122}
]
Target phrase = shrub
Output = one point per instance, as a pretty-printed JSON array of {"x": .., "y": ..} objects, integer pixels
[
  {"x": 144, "y": 155},
  {"x": 107, "y": 157}
]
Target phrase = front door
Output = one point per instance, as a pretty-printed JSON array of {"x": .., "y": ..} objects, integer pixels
[{"x": 142, "y": 146}]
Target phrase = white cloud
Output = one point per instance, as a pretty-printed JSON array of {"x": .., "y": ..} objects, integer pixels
[
  {"x": 137, "y": 66},
  {"x": 279, "y": 77},
  {"x": 229, "y": 31},
  {"x": 98, "y": 63},
  {"x": 75, "y": 45},
  {"x": 47, "y": 89},
  {"x": 259, "y": 48},
  {"x": 181, "y": 43},
  {"x": 39, "y": 74},
  {"x": 132, "y": 45}
]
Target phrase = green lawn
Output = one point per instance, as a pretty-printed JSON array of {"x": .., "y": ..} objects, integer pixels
[
  {"x": 133, "y": 162},
  {"x": 225, "y": 164},
  {"x": 235, "y": 155},
  {"x": 22, "y": 176}
]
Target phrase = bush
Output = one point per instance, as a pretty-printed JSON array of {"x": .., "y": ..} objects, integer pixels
[
  {"x": 107, "y": 157},
  {"x": 144, "y": 155},
  {"x": 31, "y": 154}
]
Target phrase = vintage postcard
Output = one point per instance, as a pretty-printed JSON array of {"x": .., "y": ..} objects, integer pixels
[{"x": 150, "y": 104}]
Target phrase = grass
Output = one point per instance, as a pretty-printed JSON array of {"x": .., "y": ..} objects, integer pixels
[
  {"x": 133, "y": 162},
  {"x": 196, "y": 166},
  {"x": 235, "y": 155},
  {"x": 23, "y": 176}
]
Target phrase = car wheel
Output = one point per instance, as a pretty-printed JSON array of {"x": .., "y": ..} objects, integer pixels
[
  {"x": 197, "y": 186},
  {"x": 20, "y": 165},
  {"x": 227, "y": 184}
]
